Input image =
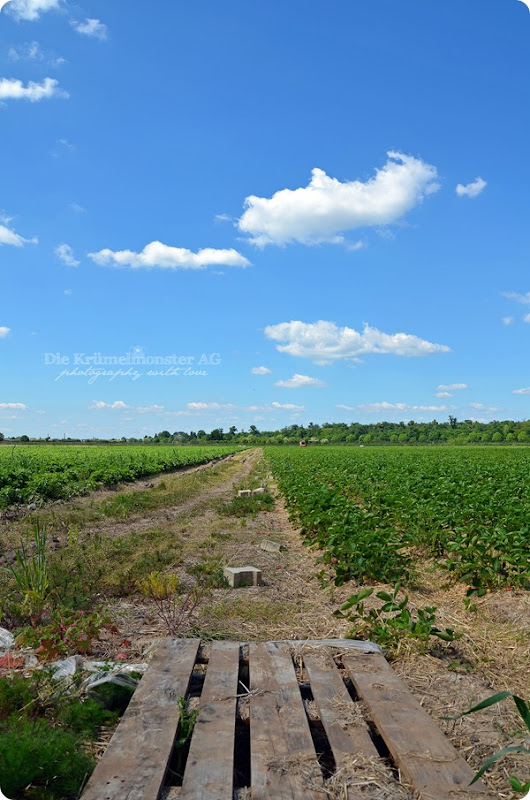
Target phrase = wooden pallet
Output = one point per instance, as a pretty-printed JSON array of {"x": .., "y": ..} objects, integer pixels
[{"x": 277, "y": 721}]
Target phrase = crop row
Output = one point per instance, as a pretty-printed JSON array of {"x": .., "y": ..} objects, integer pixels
[
  {"x": 372, "y": 510},
  {"x": 42, "y": 473}
]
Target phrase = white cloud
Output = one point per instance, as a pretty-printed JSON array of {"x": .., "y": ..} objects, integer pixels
[
  {"x": 154, "y": 409},
  {"x": 327, "y": 207},
  {"x": 161, "y": 255},
  {"x": 526, "y": 318},
  {"x": 29, "y": 51},
  {"x": 14, "y": 89},
  {"x": 13, "y": 407},
  {"x": 301, "y": 382},
  {"x": 507, "y": 320},
  {"x": 8, "y": 236},
  {"x": 471, "y": 189},
  {"x": 4, "y": 331},
  {"x": 521, "y": 391},
  {"x": 374, "y": 408},
  {"x": 31, "y": 9},
  {"x": 198, "y": 406},
  {"x": 76, "y": 207},
  {"x": 66, "y": 255},
  {"x": 520, "y": 298},
  {"x": 91, "y": 27},
  {"x": 116, "y": 405},
  {"x": 443, "y": 394},
  {"x": 451, "y": 387},
  {"x": 345, "y": 408},
  {"x": 288, "y": 406},
  {"x": 482, "y": 407},
  {"x": 324, "y": 342},
  {"x": 67, "y": 291},
  {"x": 260, "y": 371}
]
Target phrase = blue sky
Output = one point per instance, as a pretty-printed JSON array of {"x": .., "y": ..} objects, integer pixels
[{"x": 306, "y": 211}]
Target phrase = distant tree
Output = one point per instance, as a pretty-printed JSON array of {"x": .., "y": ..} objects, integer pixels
[
  {"x": 24, "y": 438},
  {"x": 1, "y": 437},
  {"x": 452, "y": 421}
]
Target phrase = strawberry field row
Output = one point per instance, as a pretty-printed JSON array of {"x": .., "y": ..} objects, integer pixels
[
  {"x": 42, "y": 473},
  {"x": 372, "y": 510}
]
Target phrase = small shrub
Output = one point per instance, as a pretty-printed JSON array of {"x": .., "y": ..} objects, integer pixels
[
  {"x": 392, "y": 622},
  {"x": 174, "y": 603}
]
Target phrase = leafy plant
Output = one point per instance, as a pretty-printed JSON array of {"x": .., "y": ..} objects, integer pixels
[
  {"x": 524, "y": 712},
  {"x": 187, "y": 722},
  {"x": 68, "y": 632},
  {"x": 392, "y": 621},
  {"x": 31, "y": 572}
]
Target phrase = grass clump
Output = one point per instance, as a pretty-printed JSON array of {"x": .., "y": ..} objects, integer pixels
[
  {"x": 247, "y": 506},
  {"x": 45, "y": 735}
]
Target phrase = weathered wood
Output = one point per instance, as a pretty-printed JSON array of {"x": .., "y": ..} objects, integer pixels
[
  {"x": 335, "y": 707},
  {"x": 284, "y": 765},
  {"x": 135, "y": 762},
  {"x": 421, "y": 751},
  {"x": 210, "y": 766}
]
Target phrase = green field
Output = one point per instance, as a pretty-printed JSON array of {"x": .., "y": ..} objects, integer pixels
[
  {"x": 375, "y": 511},
  {"x": 38, "y": 473}
]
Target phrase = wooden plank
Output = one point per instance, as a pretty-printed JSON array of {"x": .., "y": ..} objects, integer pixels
[
  {"x": 210, "y": 766},
  {"x": 136, "y": 759},
  {"x": 336, "y": 707},
  {"x": 419, "y": 748},
  {"x": 341, "y": 717},
  {"x": 283, "y": 758}
]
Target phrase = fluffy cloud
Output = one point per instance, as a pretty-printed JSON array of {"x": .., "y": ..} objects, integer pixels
[
  {"x": 521, "y": 391},
  {"x": 451, "y": 387},
  {"x": 31, "y": 9},
  {"x": 8, "y": 236},
  {"x": 4, "y": 331},
  {"x": 301, "y": 382},
  {"x": 14, "y": 89},
  {"x": 66, "y": 254},
  {"x": 324, "y": 342},
  {"x": 260, "y": 371},
  {"x": 526, "y": 318},
  {"x": 324, "y": 209},
  {"x": 507, "y": 320},
  {"x": 91, "y": 27},
  {"x": 116, "y": 405},
  {"x": 288, "y": 406},
  {"x": 208, "y": 406},
  {"x": 161, "y": 255},
  {"x": 471, "y": 189},
  {"x": 13, "y": 407}
]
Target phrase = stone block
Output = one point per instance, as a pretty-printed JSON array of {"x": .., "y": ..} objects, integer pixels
[
  {"x": 261, "y": 490},
  {"x": 242, "y": 576},
  {"x": 244, "y": 493},
  {"x": 272, "y": 547}
]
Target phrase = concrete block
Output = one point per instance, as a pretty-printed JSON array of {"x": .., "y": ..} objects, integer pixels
[
  {"x": 272, "y": 547},
  {"x": 242, "y": 576},
  {"x": 244, "y": 493},
  {"x": 261, "y": 490}
]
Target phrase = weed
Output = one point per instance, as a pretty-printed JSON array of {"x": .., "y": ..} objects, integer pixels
[
  {"x": 187, "y": 722},
  {"x": 31, "y": 573},
  {"x": 247, "y": 506},
  {"x": 524, "y": 712},
  {"x": 392, "y": 622},
  {"x": 174, "y": 604},
  {"x": 68, "y": 632}
]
